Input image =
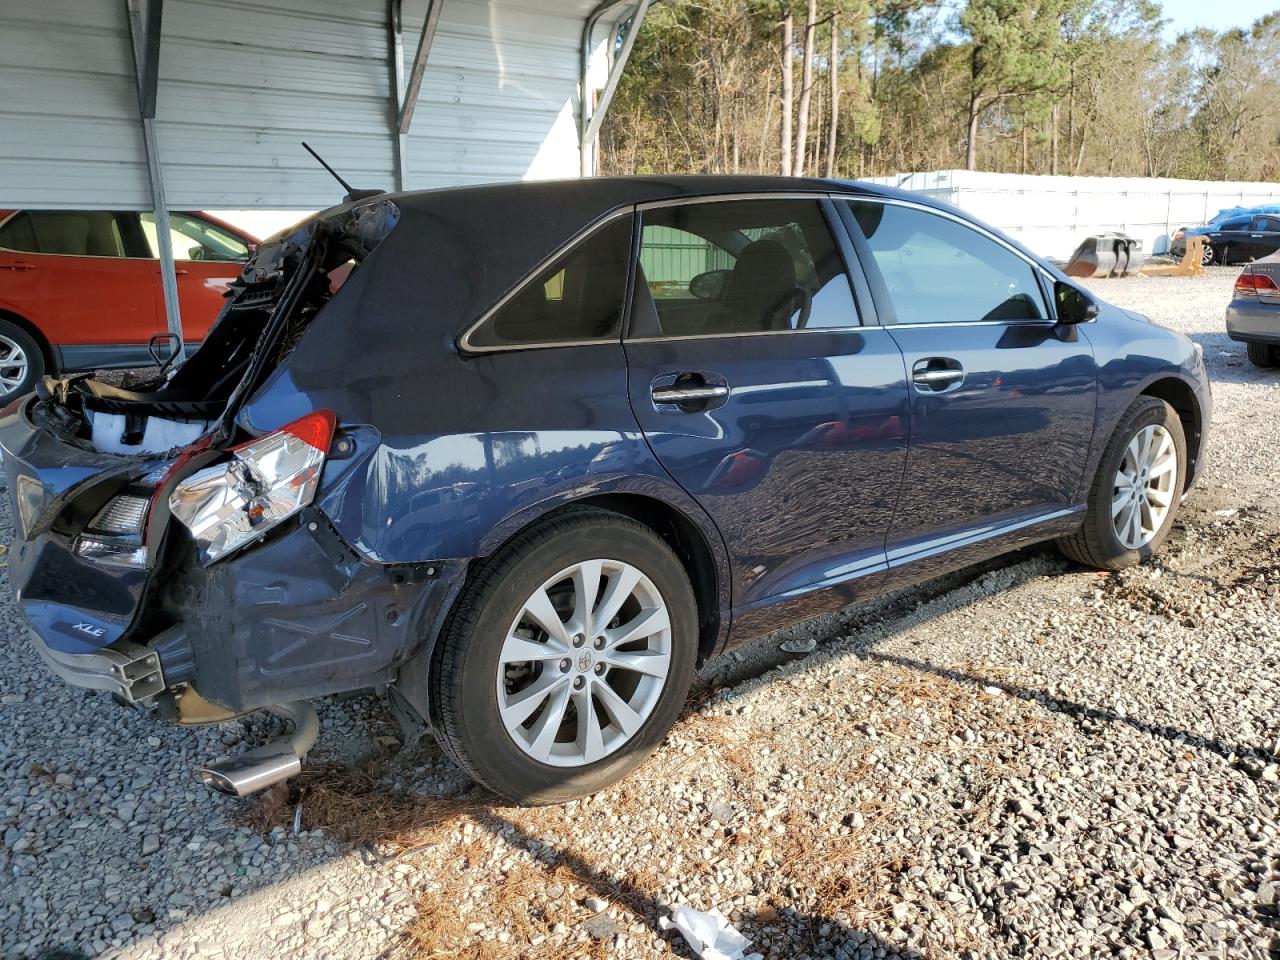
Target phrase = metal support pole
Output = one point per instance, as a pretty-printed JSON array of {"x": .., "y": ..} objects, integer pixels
[
  {"x": 602, "y": 11},
  {"x": 410, "y": 101},
  {"x": 395, "y": 53},
  {"x": 592, "y": 120},
  {"x": 146, "y": 60}
]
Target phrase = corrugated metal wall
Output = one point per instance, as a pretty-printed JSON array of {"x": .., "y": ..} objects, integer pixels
[
  {"x": 69, "y": 133},
  {"x": 499, "y": 100},
  {"x": 1051, "y": 215},
  {"x": 243, "y": 81}
]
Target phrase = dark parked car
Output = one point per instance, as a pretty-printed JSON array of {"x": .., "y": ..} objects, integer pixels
[
  {"x": 1253, "y": 315},
  {"x": 1239, "y": 239},
  {"x": 550, "y": 445}
]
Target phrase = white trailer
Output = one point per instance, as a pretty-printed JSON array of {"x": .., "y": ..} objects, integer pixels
[{"x": 1051, "y": 215}]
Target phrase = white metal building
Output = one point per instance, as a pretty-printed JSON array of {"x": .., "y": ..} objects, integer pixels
[
  {"x": 1051, "y": 215},
  {"x": 159, "y": 104},
  {"x": 241, "y": 82}
]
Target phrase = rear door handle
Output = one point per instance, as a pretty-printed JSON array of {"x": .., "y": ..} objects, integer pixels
[
  {"x": 937, "y": 374},
  {"x": 688, "y": 394}
]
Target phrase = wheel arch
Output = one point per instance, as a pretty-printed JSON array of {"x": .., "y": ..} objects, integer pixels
[
  {"x": 1178, "y": 394},
  {"x": 706, "y": 563},
  {"x": 46, "y": 349},
  {"x": 689, "y": 544}
]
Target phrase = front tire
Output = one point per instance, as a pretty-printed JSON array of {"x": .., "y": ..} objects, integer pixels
[
  {"x": 566, "y": 659},
  {"x": 1263, "y": 355},
  {"x": 1136, "y": 492}
]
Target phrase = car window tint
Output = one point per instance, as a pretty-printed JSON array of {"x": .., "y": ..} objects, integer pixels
[
  {"x": 94, "y": 233},
  {"x": 578, "y": 298},
  {"x": 19, "y": 234},
  {"x": 194, "y": 239},
  {"x": 940, "y": 271},
  {"x": 743, "y": 266},
  {"x": 1235, "y": 225}
]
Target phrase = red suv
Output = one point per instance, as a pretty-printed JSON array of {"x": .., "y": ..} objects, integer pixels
[{"x": 80, "y": 290}]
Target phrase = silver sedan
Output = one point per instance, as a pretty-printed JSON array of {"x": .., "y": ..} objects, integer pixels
[{"x": 1253, "y": 315}]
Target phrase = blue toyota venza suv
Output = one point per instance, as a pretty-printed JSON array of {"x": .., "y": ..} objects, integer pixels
[{"x": 521, "y": 456}]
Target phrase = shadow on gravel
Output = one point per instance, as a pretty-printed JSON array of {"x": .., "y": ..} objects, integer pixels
[
  {"x": 436, "y": 931},
  {"x": 363, "y": 797},
  {"x": 1085, "y": 714}
]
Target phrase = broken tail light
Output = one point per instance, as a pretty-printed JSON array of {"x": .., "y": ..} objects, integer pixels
[{"x": 265, "y": 482}]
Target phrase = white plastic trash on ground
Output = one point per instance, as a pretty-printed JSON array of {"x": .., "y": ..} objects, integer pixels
[{"x": 711, "y": 935}]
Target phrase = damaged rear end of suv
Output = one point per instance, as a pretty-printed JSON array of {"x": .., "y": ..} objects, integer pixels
[{"x": 168, "y": 547}]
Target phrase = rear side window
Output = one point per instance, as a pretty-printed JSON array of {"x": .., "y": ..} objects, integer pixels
[
  {"x": 577, "y": 299},
  {"x": 1266, "y": 224},
  {"x": 940, "y": 271},
  {"x": 77, "y": 234},
  {"x": 194, "y": 239},
  {"x": 741, "y": 266},
  {"x": 19, "y": 234}
]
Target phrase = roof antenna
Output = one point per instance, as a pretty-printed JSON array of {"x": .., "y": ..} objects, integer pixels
[
  {"x": 352, "y": 193},
  {"x": 332, "y": 172}
]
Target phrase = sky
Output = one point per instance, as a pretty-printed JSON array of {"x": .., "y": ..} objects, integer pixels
[{"x": 1188, "y": 14}]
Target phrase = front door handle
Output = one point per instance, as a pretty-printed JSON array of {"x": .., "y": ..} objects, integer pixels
[
  {"x": 680, "y": 395},
  {"x": 17, "y": 266},
  {"x": 937, "y": 374}
]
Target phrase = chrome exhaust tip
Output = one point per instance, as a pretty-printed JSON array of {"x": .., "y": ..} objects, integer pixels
[
  {"x": 257, "y": 769},
  {"x": 251, "y": 771}
]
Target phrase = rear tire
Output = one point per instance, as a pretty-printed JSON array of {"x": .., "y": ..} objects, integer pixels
[
  {"x": 601, "y": 708},
  {"x": 1128, "y": 480},
  {"x": 1264, "y": 355},
  {"x": 21, "y": 362}
]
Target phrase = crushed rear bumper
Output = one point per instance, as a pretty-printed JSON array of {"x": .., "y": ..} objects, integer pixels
[{"x": 125, "y": 669}]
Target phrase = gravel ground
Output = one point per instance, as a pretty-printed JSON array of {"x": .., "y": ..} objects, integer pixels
[{"x": 1023, "y": 759}]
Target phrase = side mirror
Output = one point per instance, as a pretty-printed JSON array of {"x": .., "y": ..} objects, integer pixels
[
  {"x": 1074, "y": 305},
  {"x": 710, "y": 285}
]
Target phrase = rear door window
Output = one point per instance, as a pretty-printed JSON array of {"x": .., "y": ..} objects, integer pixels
[
  {"x": 19, "y": 234},
  {"x": 741, "y": 266},
  {"x": 937, "y": 270},
  {"x": 577, "y": 299},
  {"x": 194, "y": 239},
  {"x": 94, "y": 233}
]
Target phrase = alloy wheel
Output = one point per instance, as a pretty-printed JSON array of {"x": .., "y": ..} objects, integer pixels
[
  {"x": 584, "y": 663},
  {"x": 13, "y": 365},
  {"x": 1143, "y": 493}
]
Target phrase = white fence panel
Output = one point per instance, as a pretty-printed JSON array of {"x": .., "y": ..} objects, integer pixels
[{"x": 1051, "y": 215}]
